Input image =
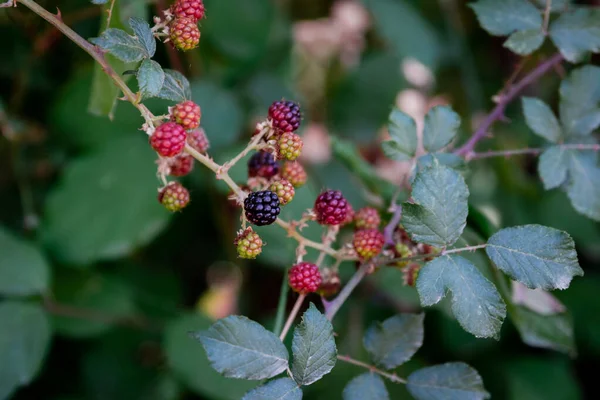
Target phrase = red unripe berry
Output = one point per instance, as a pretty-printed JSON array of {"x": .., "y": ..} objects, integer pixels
[
  {"x": 198, "y": 140},
  {"x": 184, "y": 34},
  {"x": 285, "y": 116},
  {"x": 168, "y": 139},
  {"x": 349, "y": 215},
  {"x": 186, "y": 114},
  {"x": 367, "y": 218},
  {"x": 368, "y": 243},
  {"x": 331, "y": 283},
  {"x": 181, "y": 165},
  {"x": 304, "y": 278},
  {"x": 294, "y": 173},
  {"x": 331, "y": 208},
  {"x": 193, "y": 9},
  {"x": 174, "y": 196}
]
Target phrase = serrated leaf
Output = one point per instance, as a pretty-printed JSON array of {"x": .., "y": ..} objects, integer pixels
[
  {"x": 545, "y": 331},
  {"x": 238, "y": 347},
  {"x": 403, "y": 133},
  {"x": 366, "y": 386},
  {"x": 313, "y": 347},
  {"x": 450, "y": 160},
  {"x": 278, "y": 389},
  {"x": 176, "y": 87},
  {"x": 541, "y": 119},
  {"x": 576, "y": 33},
  {"x": 583, "y": 188},
  {"x": 439, "y": 212},
  {"x": 394, "y": 341},
  {"x": 553, "y": 166},
  {"x": 503, "y": 17},
  {"x": 23, "y": 269},
  {"x": 141, "y": 30},
  {"x": 579, "y": 101},
  {"x": 537, "y": 256},
  {"x": 441, "y": 126},
  {"x": 121, "y": 45},
  {"x": 525, "y": 42},
  {"x": 24, "y": 341},
  {"x": 476, "y": 303},
  {"x": 450, "y": 381},
  {"x": 151, "y": 78}
]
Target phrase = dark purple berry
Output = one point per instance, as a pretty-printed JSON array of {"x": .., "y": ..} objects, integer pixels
[
  {"x": 263, "y": 164},
  {"x": 262, "y": 208},
  {"x": 285, "y": 115}
]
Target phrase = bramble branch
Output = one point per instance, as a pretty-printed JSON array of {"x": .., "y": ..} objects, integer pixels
[
  {"x": 392, "y": 377},
  {"x": 533, "y": 151}
]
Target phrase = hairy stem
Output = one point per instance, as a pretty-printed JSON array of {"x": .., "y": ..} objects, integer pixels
[
  {"x": 292, "y": 316},
  {"x": 547, "y": 16},
  {"x": 534, "y": 151},
  {"x": 332, "y": 307},
  {"x": 392, "y": 377},
  {"x": 283, "y": 295},
  {"x": 388, "y": 231}
]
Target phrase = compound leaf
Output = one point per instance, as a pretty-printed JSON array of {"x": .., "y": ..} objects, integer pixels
[
  {"x": 541, "y": 119},
  {"x": 366, "y": 386},
  {"x": 450, "y": 381},
  {"x": 576, "y": 33},
  {"x": 403, "y": 132},
  {"x": 441, "y": 126}
]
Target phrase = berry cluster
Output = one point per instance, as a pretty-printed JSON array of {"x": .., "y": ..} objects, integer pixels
[{"x": 183, "y": 28}]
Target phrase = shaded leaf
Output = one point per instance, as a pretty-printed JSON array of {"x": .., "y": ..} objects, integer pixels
[
  {"x": 450, "y": 160},
  {"x": 576, "y": 33},
  {"x": 403, "y": 133},
  {"x": 120, "y": 44},
  {"x": 553, "y": 166},
  {"x": 313, "y": 347},
  {"x": 394, "y": 341},
  {"x": 142, "y": 31},
  {"x": 583, "y": 188},
  {"x": 525, "y": 42},
  {"x": 450, "y": 381},
  {"x": 176, "y": 87},
  {"x": 579, "y": 101},
  {"x": 541, "y": 119},
  {"x": 366, "y": 386},
  {"x": 553, "y": 332},
  {"x": 476, "y": 303},
  {"x": 536, "y": 300},
  {"x": 441, "y": 126},
  {"x": 151, "y": 78},
  {"x": 503, "y": 17},
  {"x": 238, "y": 347},
  {"x": 278, "y": 389}
]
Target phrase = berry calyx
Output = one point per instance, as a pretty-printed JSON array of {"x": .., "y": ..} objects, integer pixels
[
  {"x": 284, "y": 190},
  {"x": 367, "y": 218},
  {"x": 193, "y": 9},
  {"x": 294, "y": 173},
  {"x": 186, "y": 114},
  {"x": 184, "y": 33},
  {"x": 262, "y": 164},
  {"x": 174, "y": 196},
  {"x": 249, "y": 244},
  {"x": 168, "y": 139},
  {"x": 181, "y": 165},
  {"x": 331, "y": 208},
  {"x": 304, "y": 278},
  {"x": 262, "y": 208},
  {"x": 198, "y": 140},
  {"x": 285, "y": 116},
  {"x": 368, "y": 243},
  {"x": 289, "y": 146}
]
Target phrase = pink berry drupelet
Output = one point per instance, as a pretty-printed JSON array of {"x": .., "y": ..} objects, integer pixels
[
  {"x": 184, "y": 34},
  {"x": 174, "y": 196},
  {"x": 367, "y": 218},
  {"x": 198, "y": 141},
  {"x": 294, "y": 173},
  {"x": 186, "y": 114},
  {"x": 285, "y": 116},
  {"x": 193, "y": 9},
  {"x": 304, "y": 278},
  {"x": 168, "y": 139},
  {"x": 368, "y": 243},
  {"x": 331, "y": 208},
  {"x": 181, "y": 165}
]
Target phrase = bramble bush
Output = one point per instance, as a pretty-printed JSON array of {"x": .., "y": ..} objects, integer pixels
[{"x": 415, "y": 218}]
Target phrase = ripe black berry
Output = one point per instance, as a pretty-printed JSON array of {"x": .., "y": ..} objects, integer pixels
[
  {"x": 262, "y": 208},
  {"x": 285, "y": 115},
  {"x": 262, "y": 164}
]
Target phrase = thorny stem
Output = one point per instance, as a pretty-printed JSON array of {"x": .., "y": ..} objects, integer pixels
[
  {"x": 392, "y": 377},
  {"x": 292, "y": 232},
  {"x": 329, "y": 238},
  {"x": 292, "y": 316},
  {"x": 283, "y": 295},
  {"x": 504, "y": 99},
  {"x": 252, "y": 146},
  {"x": 534, "y": 151},
  {"x": 442, "y": 253},
  {"x": 332, "y": 307}
]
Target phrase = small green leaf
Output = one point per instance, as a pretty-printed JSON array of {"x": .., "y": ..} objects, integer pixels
[
  {"x": 450, "y": 381},
  {"x": 537, "y": 256},
  {"x": 142, "y": 31},
  {"x": 441, "y": 126},
  {"x": 313, "y": 347},
  {"x": 583, "y": 188},
  {"x": 366, "y": 386},
  {"x": 525, "y": 42},
  {"x": 450, "y": 160},
  {"x": 576, "y": 33},
  {"x": 238, "y": 347},
  {"x": 403, "y": 133},
  {"x": 439, "y": 212},
  {"x": 24, "y": 342},
  {"x": 176, "y": 87},
  {"x": 541, "y": 119},
  {"x": 579, "y": 101},
  {"x": 553, "y": 166},
  {"x": 278, "y": 389},
  {"x": 99, "y": 1},
  {"x": 123, "y": 46},
  {"x": 553, "y": 332},
  {"x": 394, "y": 341},
  {"x": 503, "y": 17},
  {"x": 151, "y": 78},
  {"x": 476, "y": 302},
  {"x": 23, "y": 269}
]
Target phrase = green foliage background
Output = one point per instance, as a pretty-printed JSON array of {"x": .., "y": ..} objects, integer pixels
[{"x": 119, "y": 277}]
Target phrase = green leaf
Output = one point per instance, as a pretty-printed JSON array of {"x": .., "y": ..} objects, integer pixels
[
  {"x": 525, "y": 42},
  {"x": 503, "y": 17},
  {"x": 541, "y": 119},
  {"x": 238, "y": 347},
  {"x": 105, "y": 206},
  {"x": 553, "y": 166},
  {"x": 450, "y": 160},
  {"x": 579, "y": 101},
  {"x": 583, "y": 188},
  {"x": 537, "y": 256},
  {"x": 439, "y": 212},
  {"x": 142, "y": 31},
  {"x": 366, "y": 386},
  {"x": 476, "y": 303},
  {"x": 441, "y": 126},
  {"x": 24, "y": 342},
  {"x": 450, "y": 381},
  {"x": 553, "y": 332},
  {"x": 278, "y": 389},
  {"x": 176, "y": 87},
  {"x": 99, "y": 1},
  {"x": 394, "y": 341},
  {"x": 151, "y": 78},
  {"x": 313, "y": 347},
  {"x": 403, "y": 133},
  {"x": 576, "y": 33},
  {"x": 23, "y": 268},
  {"x": 120, "y": 44}
]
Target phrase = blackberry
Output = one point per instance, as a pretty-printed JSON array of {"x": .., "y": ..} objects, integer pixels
[
  {"x": 331, "y": 208},
  {"x": 285, "y": 116},
  {"x": 304, "y": 278},
  {"x": 262, "y": 164},
  {"x": 262, "y": 208}
]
